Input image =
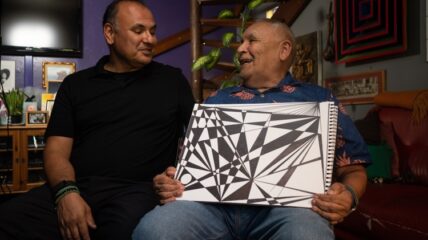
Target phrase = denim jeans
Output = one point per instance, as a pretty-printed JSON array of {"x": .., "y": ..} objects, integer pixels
[{"x": 194, "y": 220}]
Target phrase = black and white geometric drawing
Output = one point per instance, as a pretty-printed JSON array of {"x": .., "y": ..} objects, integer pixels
[{"x": 277, "y": 154}]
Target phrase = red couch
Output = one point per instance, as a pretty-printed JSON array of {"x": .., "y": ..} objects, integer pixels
[{"x": 398, "y": 208}]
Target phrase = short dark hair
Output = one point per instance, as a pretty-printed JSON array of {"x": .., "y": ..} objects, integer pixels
[
  {"x": 6, "y": 71},
  {"x": 111, "y": 10}
]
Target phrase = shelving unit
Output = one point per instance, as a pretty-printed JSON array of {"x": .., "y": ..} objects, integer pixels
[{"x": 21, "y": 158}]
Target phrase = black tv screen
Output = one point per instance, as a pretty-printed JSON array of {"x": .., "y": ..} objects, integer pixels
[{"x": 41, "y": 27}]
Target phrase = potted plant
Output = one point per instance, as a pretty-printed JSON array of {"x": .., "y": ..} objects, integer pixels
[{"x": 14, "y": 100}]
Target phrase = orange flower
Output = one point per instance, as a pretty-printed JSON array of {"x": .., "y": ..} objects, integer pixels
[
  {"x": 244, "y": 95},
  {"x": 288, "y": 89}
]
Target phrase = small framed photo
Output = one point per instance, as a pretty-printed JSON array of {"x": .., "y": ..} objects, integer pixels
[
  {"x": 358, "y": 88},
  {"x": 56, "y": 71},
  {"x": 37, "y": 118}
]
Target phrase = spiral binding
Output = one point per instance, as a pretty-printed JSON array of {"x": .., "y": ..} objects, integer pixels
[{"x": 331, "y": 147}]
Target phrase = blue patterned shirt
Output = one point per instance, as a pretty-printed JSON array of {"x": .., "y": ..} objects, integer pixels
[{"x": 350, "y": 146}]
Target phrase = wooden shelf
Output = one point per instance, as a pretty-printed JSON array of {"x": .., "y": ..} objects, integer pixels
[
  {"x": 223, "y": 22},
  {"x": 23, "y": 157},
  {"x": 218, "y": 44}
]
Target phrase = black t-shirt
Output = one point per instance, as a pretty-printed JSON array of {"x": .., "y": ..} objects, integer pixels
[{"x": 124, "y": 125}]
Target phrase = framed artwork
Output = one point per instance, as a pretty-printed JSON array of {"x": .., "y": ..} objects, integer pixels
[
  {"x": 369, "y": 29},
  {"x": 307, "y": 66},
  {"x": 7, "y": 75},
  {"x": 56, "y": 71},
  {"x": 357, "y": 88},
  {"x": 37, "y": 118}
]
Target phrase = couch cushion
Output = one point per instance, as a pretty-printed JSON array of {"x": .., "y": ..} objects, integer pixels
[
  {"x": 418, "y": 164},
  {"x": 403, "y": 135},
  {"x": 390, "y": 211}
]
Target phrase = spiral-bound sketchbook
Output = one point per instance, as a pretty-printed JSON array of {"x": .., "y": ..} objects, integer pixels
[{"x": 277, "y": 154}]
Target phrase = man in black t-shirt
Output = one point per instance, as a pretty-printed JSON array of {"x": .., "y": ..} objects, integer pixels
[{"x": 113, "y": 128}]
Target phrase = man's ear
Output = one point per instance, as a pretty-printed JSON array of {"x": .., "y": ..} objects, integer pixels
[
  {"x": 109, "y": 33},
  {"x": 285, "y": 50}
]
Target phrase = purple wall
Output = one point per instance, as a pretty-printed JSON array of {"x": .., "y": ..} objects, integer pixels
[{"x": 171, "y": 17}]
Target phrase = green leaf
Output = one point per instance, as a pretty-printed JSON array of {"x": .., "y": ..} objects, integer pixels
[
  {"x": 227, "y": 38},
  {"x": 215, "y": 54},
  {"x": 201, "y": 62},
  {"x": 254, "y": 3},
  {"x": 225, "y": 13},
  {"x": 231, "y": 82},
  {"x": 15, "y": 100},
  {"x": 236, "y": 61}
]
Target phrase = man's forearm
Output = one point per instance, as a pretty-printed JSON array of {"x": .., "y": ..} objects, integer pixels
[
  {"x": 354, "y": 176},
  {"x": 57, "y": 160}
]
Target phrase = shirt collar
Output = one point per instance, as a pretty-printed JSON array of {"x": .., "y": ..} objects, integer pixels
[
  {"x": 101, "y": 71},
  {"x": 287, "y": 80}
]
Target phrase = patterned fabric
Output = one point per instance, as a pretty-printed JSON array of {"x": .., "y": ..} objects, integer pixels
[{"x": 350, "y": 146}]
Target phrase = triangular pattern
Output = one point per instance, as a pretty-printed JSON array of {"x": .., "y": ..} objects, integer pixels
[{"x": 262, "y": 154}]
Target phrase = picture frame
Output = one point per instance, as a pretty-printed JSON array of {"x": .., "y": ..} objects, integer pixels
[
  {"x": 49, "y": 106},
  {"x": 45, "y": 97},
  {"x": 29, "y": 107},
  {"x": 37, "y": 118},
  {"x": 360, "y": 88},
  {"x": 307, "y": 66},
  {"x": 56, "y": 72},
  {"x": 8, "y": 75},
  {"x": 367, "y": 30}
]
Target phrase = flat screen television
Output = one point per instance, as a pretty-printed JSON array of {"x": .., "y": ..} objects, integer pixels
[{"x": 41, "y": 27}]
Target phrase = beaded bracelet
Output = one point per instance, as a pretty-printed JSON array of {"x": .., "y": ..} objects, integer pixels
[
  {"x": 63, "y": 188},
  {"x": 64, "y": 191}
]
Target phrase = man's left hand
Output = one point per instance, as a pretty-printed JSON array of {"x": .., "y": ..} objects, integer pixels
[{"x": 334, "y": 205}]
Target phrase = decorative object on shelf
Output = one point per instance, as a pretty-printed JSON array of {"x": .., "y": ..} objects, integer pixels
[
  {"x": 7, "y": 75},
  {"x": 3, "y": 112},
  {"x": 49, "y": 106},
  {"x": 307, "y": 66},
  {"x": 37, "y": 118},
  {"x": 370, "y": 29},
  {"x": 29, "y": 107},
  {"x": 357, "y": 88},
  {"x": 45, "y": 98},
  {"x": 14, "y": 101},
  {"x": 55, "y": 72},
  {"x": 328, "y": 52}
]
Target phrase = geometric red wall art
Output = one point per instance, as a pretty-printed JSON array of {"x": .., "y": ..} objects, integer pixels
[{"x": 368, "y": 29}]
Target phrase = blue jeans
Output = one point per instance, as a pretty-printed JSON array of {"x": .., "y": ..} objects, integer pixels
[{"x": 194, "y": 220}]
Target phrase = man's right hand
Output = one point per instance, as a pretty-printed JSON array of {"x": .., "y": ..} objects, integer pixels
[
  {"x": 74, "y": 217},
  {"x": 167, "y": 188}
]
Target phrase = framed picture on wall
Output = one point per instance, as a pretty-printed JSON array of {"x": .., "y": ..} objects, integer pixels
[
  {"x": 56, "y": 71},
  {"x": 7, "y": 75},
  {"x": 357, "y": 88},
  {"x": 307, "y": 66}
]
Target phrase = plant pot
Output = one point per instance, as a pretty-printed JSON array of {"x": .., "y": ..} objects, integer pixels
[{"x": 16, "y": 119}]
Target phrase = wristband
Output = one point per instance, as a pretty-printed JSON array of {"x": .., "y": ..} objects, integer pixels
[
  {"x": 354, "y": 197},
  {"x": 63, "y": 188},
  {"x": 65, "y": 191}
]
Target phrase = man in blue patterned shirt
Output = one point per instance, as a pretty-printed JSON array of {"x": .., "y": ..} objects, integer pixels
[{"x": 266, "y": 55}]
